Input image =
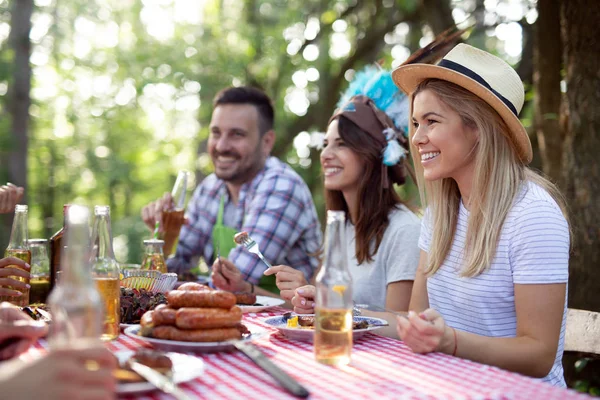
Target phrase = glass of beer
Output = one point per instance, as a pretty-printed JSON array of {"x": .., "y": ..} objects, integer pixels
[
  {"x": 154, "y": 259},
  {"x": 40, "y": 271}
]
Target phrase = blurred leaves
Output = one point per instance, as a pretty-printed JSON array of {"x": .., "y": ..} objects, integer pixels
[{"x": 122, "y": 89}]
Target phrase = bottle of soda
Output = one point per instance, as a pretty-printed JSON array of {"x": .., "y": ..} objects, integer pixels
[
  {"x": 76, "y": 305},
  {"x": 56, "y": 249},
  {"x": 18, "y": 247},
  {"x": 105, "y": 271},
  {"x": 333, "y": 308}
]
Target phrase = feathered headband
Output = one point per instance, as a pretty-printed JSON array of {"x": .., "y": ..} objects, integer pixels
[{"x": 377, "y": 84}]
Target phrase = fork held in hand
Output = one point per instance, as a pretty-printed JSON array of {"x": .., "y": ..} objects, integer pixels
[{"x": 251, "y": 245}]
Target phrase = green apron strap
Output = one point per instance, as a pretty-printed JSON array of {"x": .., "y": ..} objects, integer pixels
[
  {"x": 222, "y": 237},
  {"x": 220, "y": 213}
]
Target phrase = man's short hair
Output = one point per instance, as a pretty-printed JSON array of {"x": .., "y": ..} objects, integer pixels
[{"x": 249, "y": 95}]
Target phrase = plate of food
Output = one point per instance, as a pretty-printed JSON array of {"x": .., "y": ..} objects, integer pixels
[
  {"x": 38, "y": 312},
  {"x": 302, "y": 326},
  {"x": 188, "y": 345},
  {"x": 135, "y": 303},
  {"x": 178, "y": 367},
  {"x": 196, "y": 319},
  {"x": 251, "y": 303}
]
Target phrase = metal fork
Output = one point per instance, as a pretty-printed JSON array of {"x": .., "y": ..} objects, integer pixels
[{"x": 251, "y": 245}]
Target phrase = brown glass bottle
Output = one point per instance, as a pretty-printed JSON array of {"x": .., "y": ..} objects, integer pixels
[{"x": 56, "y": 249}]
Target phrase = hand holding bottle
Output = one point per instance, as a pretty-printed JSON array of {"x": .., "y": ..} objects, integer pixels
[{"x": 8, "y": 284}]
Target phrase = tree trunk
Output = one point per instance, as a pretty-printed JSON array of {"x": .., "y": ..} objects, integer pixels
[
  {"x": 17, "y": 104},
  {"x": 547, "y": 59},
  {"x": 19, "y": 93},
  {"x": 582, "y": 145},
  {"x": 438, "y": 15}
]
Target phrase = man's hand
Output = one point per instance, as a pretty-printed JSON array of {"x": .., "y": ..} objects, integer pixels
[
  {"x": 154, "y": 211},
  {"x": 8, "y": 270},
  {"x": 226, "y": 276},
  {"x": 10, "y": 195},
  {"x": 288, "y": 280},
  {"x": 16, "y": 326}
]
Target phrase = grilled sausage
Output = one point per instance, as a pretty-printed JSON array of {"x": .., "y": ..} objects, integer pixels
[
  {"x": 211, "y": 299},
  {"x": 163, "y": 315},
  {"x": 193, "y": 286},
  {"x": 147, "y": 319},
  {"x": 196, "y": 335},
  {"x": 245, "y": 299},
  {"x": 205, "y": 318}
]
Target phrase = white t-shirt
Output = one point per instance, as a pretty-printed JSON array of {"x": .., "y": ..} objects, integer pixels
[
  {"x": 396, "y": 259},
  {"x": 533, "y": 249}
]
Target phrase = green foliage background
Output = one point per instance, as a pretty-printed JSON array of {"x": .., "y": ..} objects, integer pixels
[{"x": 94, "y": 138}]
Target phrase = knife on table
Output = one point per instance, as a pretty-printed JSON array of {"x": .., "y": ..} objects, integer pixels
[
  {"x": 158, "y": 380},
  {"x": 289, "y": 383}
]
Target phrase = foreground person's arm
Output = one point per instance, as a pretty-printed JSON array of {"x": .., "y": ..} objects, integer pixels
[{"x": 61, "y": 374}]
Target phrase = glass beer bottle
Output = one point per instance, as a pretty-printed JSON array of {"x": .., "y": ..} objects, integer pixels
[
  {"x": 333, "y": 309},
  {"x": 18, "y": 247},
  {"x": 105, "y": 271},
  {"x": 153, "y": 256},
  {"x": 57, "y": 245},
  {"x": 76, "y": 305}
]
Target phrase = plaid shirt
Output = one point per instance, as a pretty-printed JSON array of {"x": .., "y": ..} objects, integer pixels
[{"x": 275, "y": 208}]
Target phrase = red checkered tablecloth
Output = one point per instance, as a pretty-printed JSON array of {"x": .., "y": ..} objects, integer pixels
[{"x": 381, "y": 368}]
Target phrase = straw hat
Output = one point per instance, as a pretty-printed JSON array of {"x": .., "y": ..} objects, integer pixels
[{"x": 483, "y": 74}]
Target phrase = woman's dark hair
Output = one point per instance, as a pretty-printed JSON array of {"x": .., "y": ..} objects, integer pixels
[
  {"x": 249, "y": 95},
  {"x": 374, "y": 202}
]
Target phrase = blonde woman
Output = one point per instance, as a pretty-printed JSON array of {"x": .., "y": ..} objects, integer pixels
[{"x": 492, "y": 278}]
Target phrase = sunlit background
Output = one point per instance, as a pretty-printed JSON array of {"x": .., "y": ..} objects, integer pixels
[{"x": 122, "y": 89}]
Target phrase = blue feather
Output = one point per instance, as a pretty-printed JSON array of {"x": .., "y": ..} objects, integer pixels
[{"x": 378, "y": 85}]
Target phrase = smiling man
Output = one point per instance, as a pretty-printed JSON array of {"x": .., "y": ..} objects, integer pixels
[{"x": 249, "y": 191}]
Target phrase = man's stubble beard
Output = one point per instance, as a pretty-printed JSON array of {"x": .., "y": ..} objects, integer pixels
[{"x": 242, "y": 175}]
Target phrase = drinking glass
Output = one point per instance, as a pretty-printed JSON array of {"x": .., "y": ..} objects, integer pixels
[{"x": 40, "y": 271}]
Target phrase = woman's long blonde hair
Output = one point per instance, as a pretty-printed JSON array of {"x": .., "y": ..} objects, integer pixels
[{"x": 498, "y": 177}]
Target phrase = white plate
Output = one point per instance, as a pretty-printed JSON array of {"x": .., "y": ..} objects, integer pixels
[
  {"x": 125, "y": 326},
  {"x": 185, "y": 368},
  {"x": 307, "y": 334},
  {"x": 265, "y": 301},
  {"x": 195, "y": 347}
]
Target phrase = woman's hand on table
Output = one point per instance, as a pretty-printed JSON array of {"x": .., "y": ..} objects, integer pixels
[
  {"x": 15, "y": 324},
  {"x": 74, "y": 373},
  {"x": 426, "y": 332},
  {"x": 288, "y": 280},
  {"x": 304, "y": 300},
  {"x": 226, "y": 276},
  {"x": 7, "y": 271},
  {"x": 10, "y": 195}
]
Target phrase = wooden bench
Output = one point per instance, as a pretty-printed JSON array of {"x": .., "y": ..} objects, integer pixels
[{"x": 582, "y": 331}]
